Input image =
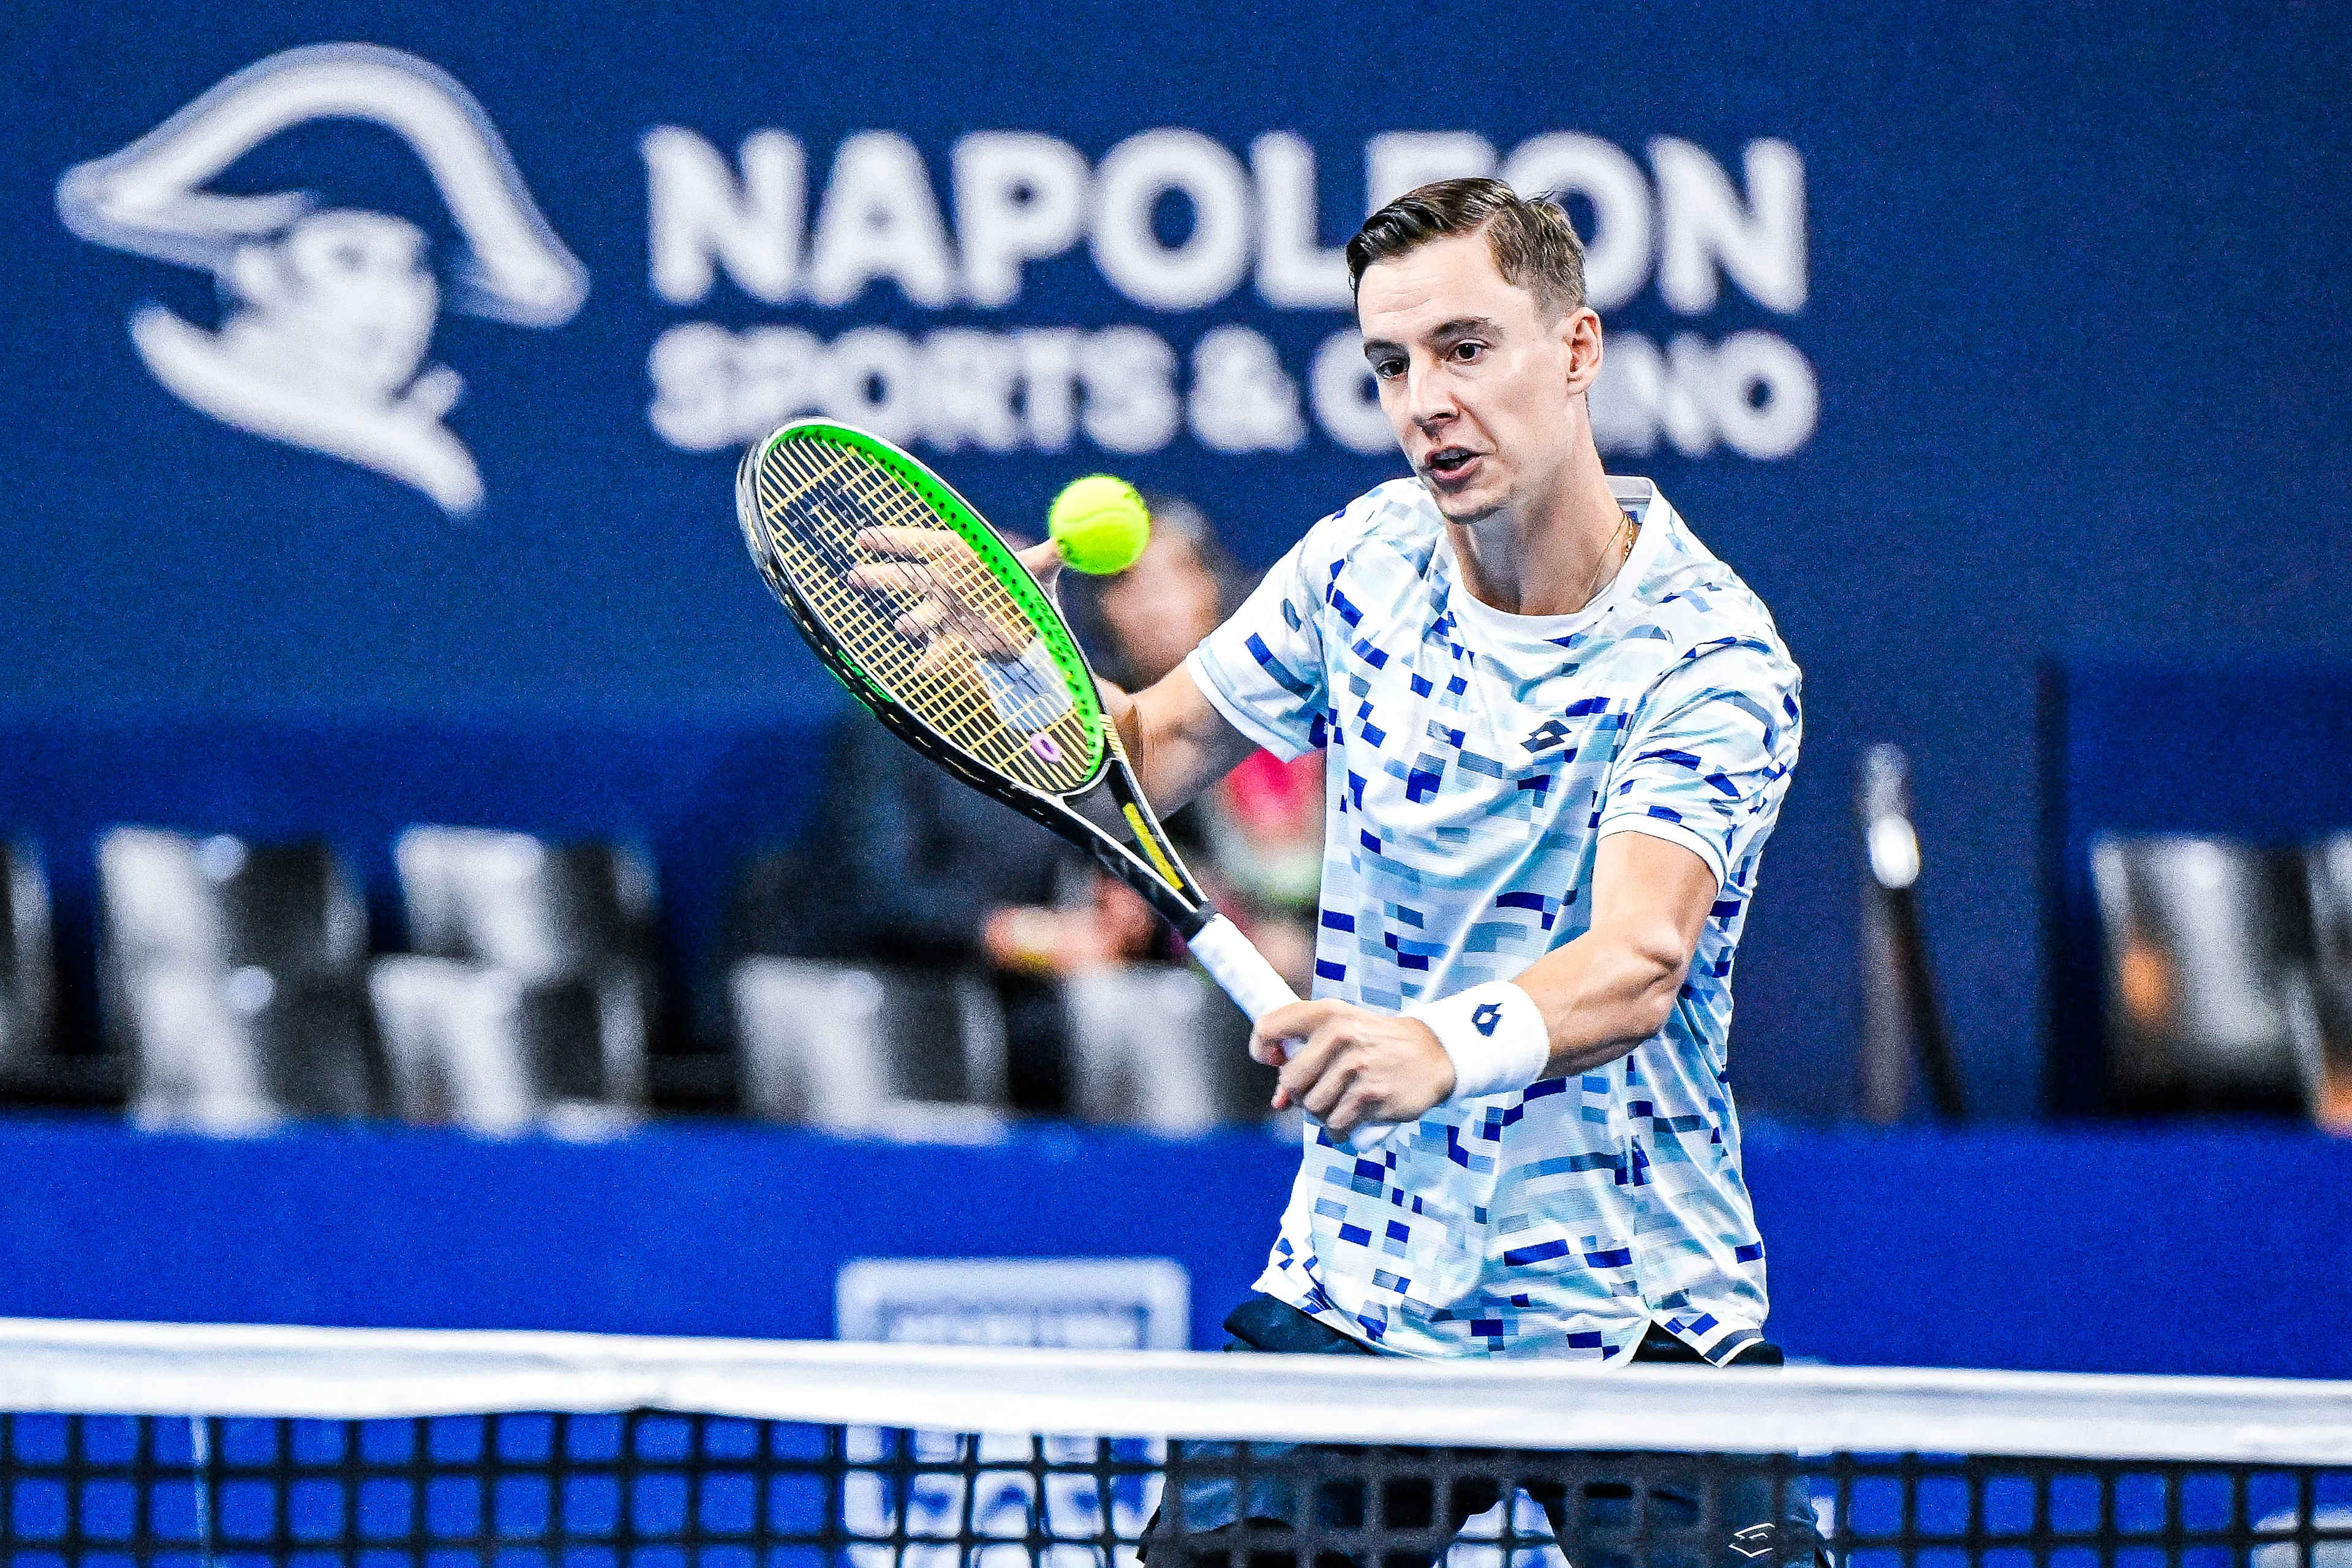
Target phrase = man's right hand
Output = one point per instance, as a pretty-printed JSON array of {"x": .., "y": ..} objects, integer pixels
[
  {"x": 1044, "y": 563},
  {"x": 1180, "y": 745}
]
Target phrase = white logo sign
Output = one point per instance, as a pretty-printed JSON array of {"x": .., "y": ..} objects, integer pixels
[
  {"x": 1081, "y": 1303},
  {"x": 329, "y": 314},
  {"x": 1020, "y": 199},
  {"x": 1087, "y": 1304}
]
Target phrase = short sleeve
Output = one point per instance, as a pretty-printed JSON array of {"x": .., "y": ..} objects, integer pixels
[
  {"x": 1707, "y": 755},
  {"x": 1264, "y": 669}
]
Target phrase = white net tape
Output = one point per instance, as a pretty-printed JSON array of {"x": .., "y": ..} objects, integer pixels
[{"x": 240, "y": 1370}]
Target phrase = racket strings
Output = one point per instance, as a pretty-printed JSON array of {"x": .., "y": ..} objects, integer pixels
[
  {"x": 816, "y": 498},
  {"x": 962, "y": 571}
]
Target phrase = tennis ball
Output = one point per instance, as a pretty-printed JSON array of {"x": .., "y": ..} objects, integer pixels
[{"x": 1100, "y": 523}]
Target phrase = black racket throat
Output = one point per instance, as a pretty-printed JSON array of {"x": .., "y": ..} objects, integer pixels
[
  {"x": 1103, "y": 819},
  {"x": 1111, "y": 808}
]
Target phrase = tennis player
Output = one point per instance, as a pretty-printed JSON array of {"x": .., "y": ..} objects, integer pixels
[{"x": 1559, "y": 732}]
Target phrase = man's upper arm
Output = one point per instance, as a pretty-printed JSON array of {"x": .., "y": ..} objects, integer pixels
[
  {"x": 1707, "y": 761},
  {"x": 1262, "y": 670},
  {"x": 1652, "y": 891},
  {"x": 1615, "y": 986},
  {"x": 1184, "y": 743}
]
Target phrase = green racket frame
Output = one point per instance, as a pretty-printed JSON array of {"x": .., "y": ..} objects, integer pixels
[{"x": 1108, "y": 815}]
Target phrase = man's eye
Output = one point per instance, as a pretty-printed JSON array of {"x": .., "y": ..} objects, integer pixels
[
  {"x": 1469, "y": 353},
  {"x": 1387, "y": 369}
]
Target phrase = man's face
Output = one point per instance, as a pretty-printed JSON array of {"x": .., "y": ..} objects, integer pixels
[{"x": 1482, "y": 392}]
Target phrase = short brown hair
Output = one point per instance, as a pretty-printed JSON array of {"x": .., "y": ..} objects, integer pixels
[{"x": 1534, "y": 246}]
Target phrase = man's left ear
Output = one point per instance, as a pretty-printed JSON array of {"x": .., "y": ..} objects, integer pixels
[{"x": 1581, "y": 329}]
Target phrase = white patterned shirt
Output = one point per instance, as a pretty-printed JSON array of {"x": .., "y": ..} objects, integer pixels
[{"x": 1476, "y": 760}]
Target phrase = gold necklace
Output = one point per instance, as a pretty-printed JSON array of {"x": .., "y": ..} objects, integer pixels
[{"x": 1626, "y": 531}]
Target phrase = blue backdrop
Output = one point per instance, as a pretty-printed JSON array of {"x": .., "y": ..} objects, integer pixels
[
  {"x": 1960, "y": 336},
  {"x": 2216, "y": 1250}
]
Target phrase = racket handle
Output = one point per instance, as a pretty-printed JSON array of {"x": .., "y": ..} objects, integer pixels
[
  {"x": 1241, "y": 972},
  {"x": 1239, "y": 968}
]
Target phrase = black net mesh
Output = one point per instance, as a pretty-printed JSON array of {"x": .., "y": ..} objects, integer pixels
[{"x": 652, "y": 1487}]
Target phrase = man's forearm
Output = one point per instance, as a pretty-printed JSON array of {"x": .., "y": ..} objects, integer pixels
[
  {"x": 1178, "y": 742},
  {"x": 1573, "y": 1010},
  {"x": 1604, "y": 994},
  {"x": 1616, "y": 986}
]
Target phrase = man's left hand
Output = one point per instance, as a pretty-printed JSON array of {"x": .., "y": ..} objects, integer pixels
[{"x": 1346, "y": 1066}]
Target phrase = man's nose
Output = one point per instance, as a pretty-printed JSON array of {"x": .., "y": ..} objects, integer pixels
[{"x": 1429, "y": 400}]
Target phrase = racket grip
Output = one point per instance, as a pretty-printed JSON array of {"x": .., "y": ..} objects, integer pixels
[
  {"x": 1239, "y": 968},
  {"x": 1241, "y": 972}
]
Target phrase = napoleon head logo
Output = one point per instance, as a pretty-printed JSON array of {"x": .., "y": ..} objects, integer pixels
[{"x": 328, "y": 314}]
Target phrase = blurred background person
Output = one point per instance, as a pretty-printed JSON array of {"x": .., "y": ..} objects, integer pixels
[
  {"x": 919, "y": 870},
  {"x": 1257, "y": 840}
]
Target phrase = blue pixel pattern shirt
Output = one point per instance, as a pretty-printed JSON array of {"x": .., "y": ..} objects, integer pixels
[{"x": 1476, "y": 760}]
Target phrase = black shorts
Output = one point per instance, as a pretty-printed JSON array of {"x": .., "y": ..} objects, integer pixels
[{"x": 1232, "y": 1506}]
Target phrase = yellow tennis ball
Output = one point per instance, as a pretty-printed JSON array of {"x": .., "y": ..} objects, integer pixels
[{"x": 1100, "y": 523}]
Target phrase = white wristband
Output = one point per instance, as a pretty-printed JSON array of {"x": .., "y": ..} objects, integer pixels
[{"x": 1495, "y": 1035}]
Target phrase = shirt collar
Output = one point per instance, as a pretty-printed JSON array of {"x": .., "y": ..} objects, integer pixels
[{"x": 1656, "y": 518}]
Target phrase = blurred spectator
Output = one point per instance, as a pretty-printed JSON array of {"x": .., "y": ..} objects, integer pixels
[
  {"x": 1256, "y": 839},
  {"x": 1265, "y": 836},
  {"x": 1147, "y": 617},
  {"x": 907, "y": 864}
]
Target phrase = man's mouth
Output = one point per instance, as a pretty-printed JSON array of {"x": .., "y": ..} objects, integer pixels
[{"x": 1448, "y": 464}]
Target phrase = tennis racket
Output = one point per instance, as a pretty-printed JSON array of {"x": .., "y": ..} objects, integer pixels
[{"x": 946, "y": 637}]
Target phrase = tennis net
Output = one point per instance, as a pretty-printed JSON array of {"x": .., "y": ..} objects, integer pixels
[{"x": 203, "y": 1446}]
